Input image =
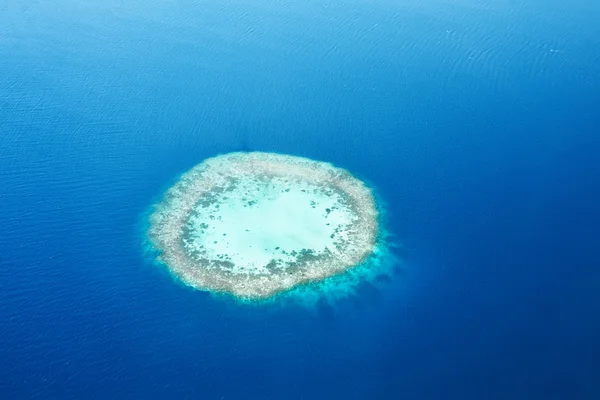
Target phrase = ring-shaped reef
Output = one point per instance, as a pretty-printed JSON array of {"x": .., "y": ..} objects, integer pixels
[{"x": 256, "y": 224}]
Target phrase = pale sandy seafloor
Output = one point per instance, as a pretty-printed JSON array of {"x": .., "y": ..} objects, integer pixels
[{"x": 256, "y": 225}]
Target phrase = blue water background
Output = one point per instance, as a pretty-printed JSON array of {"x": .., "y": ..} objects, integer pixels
[{"x": 478, "y": 121}]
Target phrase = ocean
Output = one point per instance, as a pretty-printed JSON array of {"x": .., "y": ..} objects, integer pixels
[{"x": 476, "y": 121}]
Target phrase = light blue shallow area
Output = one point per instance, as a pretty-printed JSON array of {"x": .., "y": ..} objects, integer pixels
[{"x": 477, "y": 122}]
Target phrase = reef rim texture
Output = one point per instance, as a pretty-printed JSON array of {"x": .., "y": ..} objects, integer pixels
[{"x": 258, "y": 224}]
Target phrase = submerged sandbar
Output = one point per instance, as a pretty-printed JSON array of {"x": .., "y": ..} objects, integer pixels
[{"x": 257, "y": 224}]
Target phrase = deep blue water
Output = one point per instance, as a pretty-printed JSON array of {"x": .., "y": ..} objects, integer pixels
[{"x": 477, "y": 120}]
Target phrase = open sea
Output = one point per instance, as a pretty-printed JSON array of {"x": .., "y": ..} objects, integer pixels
[{"x": 477, "y": 121}]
